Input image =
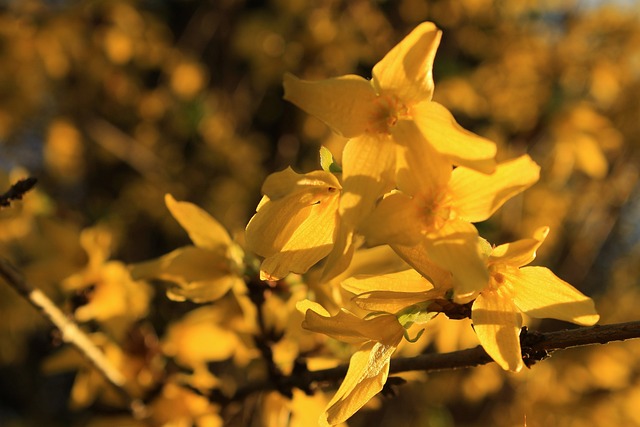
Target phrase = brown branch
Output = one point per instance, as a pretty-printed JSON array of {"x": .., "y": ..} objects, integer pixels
[
  {"x": 535, "y": 346},
  {"x": 70, "y": 333},
  {"x": 16, "y": 191}
]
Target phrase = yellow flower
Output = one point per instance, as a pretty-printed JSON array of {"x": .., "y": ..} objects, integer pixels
[
  {"x": 428, "y": 219},
  {"x": 203, "y": 272},
  {"x": 368, "y": 367},
  {"x": 368, "y": 112},
  {"x": 114, "y": 298},
  {"x": 295, "y": 222},
  {"x": 513, "y": 289}
]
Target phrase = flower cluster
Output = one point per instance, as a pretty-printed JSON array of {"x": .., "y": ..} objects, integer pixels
[{"x": 413, "y": 179}]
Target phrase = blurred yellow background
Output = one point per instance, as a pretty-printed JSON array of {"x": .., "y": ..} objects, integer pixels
[{"x": 112, "y": 104}]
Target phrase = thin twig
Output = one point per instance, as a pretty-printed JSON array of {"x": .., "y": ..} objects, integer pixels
[
  {"x": 535, "y": 346},
  {"x": 16, "y": 191},
  {"x": 70, "y": 332}
]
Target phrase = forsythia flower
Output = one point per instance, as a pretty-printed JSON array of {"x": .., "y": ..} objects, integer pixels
[
  {"x": 369, "y": 111},
  {"x": 295, "y": 222},
  {"x": 369, "y": 366},
  {"x": 203, "y": 272},
  {"x": 435, "y": 206},
  {"x": 512, "y": 289}
]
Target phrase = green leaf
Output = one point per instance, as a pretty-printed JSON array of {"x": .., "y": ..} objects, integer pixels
[
  {"x": 415, "y": 314},
  {"x": 326, "y": 161}
]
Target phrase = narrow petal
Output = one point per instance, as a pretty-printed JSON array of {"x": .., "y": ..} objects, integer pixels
[
  {"x": 341, "y": 254},
  {"x": 540, "y": 293},
  {"x": 456, "y": 247},
  {"x": 396, "y": 220},
  {"x": 406, "y": 71},
  {"x": 347, "y": 327},
  {"x": 401, "y": 281},
  {"x": 420, "y": 168},
  {"x": 287, "y": 182},
  {"x": 345, "y": 104},
  {"x": 520, "y": 252},
  {"x": 393, "y": 302},
  {"x": 367, "y": 374},
  {"x": 476, "y": 196},
  {"x": 464, "y": 148},
  {"x": 368, "y": 171},
  {"x": 199, "y": 275},
  {"x": 497, "y": 324},
  {"x": 203, "y": 230}
]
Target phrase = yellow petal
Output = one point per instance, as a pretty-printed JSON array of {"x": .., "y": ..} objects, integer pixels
[
  {"x": 204, "y": 231},
  {"x": 396, "y": 220},
  {"x": 520, "y": 252},
  {"x": 456, "y": 247},
  {"x": 401, "y": 281},
  {"x": 295, "y": 225},
  {"x": 393, "y": 302},
  {"x": 406, "y": 71},
  {"x": 200, "y": 275},
  {"x": 476, "y": 196},
  {"x": 345, "y": 104},
  {"x": 287, "y": 182},
  {"x": 416, "y": 256},
  {"x": 497, "y": 325},
  {"x": 367, "y": 374},
  {"x": 368, "y": 171},
  {"x": 341, "y": 254},
  {"x": 540, "y": 293},
  {"x": 347, "y": 327},
  {"x": 311, "y": 241},
  {"x": 420, "y": 168},
  {"x": 464, "y": 148}
]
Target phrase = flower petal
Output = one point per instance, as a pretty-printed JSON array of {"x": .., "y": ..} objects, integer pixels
[
  {"x": 395, "y": 220},
  {"x": 406, "y": 70},
  {"x": 199, "y": 275},
  {"x": 401, "y": 281},
  {"x": 520, "y": 252},
  {"x": 204, "y": 231},
  {"x": 497, "y": 324},
  {"x": 464, "y": 148},
  {"x": 345, "y": 104},
  {"x": 476, "y": 196},
  {"x": 416, "y": 256},
  {"x": 347, "y": 327},
  {"x": 420, "y": 168},
  {"x": 456, "y": 247},
  {"x": 540, "y": 293},
  {"x": 367, "y": 374},
  {"x": 368, "y": 171}
]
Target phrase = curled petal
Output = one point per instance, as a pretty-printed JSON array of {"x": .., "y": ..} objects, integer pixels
[
  {"x": 497, "y": 324},
  {"x": 203, "y": 230},
  {"x": 540, "y": 293},
  {"x": 476, "y": 196},
  {"x": 401, "y": 281},
  {"x": 464, "y": 148},
  {"x": 345, "y": 104},
  {"x": 520, "y": 252},
  {"x": 456, "y": 247},
  {"x": 367, "y": 374},
  {"x": 406, "y": 71}
]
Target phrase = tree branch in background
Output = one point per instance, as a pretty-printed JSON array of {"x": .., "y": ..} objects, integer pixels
[
  {"x": 16, "y": 191},
  {"x": 535, "y": 347},
  {"x": 70, "y": 331}
]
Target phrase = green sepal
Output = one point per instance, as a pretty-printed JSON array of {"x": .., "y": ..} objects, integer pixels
[{"x": 416, "y": 338}]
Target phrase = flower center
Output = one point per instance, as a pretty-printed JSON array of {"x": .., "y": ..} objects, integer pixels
[
  {"x": 435, "y": 209},
  {"x": 386, "y": 113}
]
